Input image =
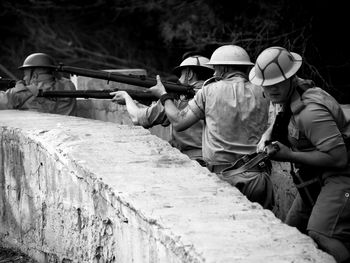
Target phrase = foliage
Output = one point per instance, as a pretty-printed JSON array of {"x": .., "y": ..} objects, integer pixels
[{"x": 154, "y": 34}]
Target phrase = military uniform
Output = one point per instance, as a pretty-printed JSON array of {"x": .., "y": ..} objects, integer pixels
[
  {"x": 189, "y": 141},
  {"x": 318, "y": 123},
  {"x": 25, "y": 97},
  {"x": 235, "y": 114}
]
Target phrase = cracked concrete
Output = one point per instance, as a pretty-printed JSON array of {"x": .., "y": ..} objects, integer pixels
[{"x": 92, "y": 191}]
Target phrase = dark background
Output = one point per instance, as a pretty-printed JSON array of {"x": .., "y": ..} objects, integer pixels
[{"x": 154, "y": 34}]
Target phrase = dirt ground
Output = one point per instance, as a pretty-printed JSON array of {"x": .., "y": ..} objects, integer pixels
[{"x": 11, "y": 256}]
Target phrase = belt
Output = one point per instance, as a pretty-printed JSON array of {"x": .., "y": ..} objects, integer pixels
[{"x": 256, "y": 162}]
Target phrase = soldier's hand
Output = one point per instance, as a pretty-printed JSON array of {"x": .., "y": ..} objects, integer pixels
[
  {"x": 262, "y": 143},
  {"x": 271, "y": 149},
  {"x": 158, "y": 90},
  {"x": 278, "y": 151},
  {"x": 119, "y": 96}
]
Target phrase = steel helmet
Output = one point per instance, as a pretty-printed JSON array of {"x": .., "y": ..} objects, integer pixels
[
  {"x": 41, "y": 60},
  {"x": 199, "y": 62},
  {"x": 274, "y": 65},
  {"x": 230, "y": 55}
]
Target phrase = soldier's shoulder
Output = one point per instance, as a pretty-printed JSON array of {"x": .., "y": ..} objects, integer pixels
[
  {"x": 209, "y": 81},
  {"x": 66, "y": 83}
]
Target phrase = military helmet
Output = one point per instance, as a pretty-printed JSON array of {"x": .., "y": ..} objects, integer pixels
[
  {"x": 198, "y": 62},
  {"x": 230, "y": 55},
  {"x": 274, "y": 65},
  {"x": 41, "y": 60}
]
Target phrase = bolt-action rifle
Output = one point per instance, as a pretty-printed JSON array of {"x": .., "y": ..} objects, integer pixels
[
  {"x": 6, "y": 84},
  {"x": 144, "y": 96},
  {"x": 141, "y": 81}
]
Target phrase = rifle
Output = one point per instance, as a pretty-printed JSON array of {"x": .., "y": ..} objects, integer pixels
[
  {"x": 141, "y": 81},
  {"x": 6, "y": 84},
  {"x": 145, "y": 96}
]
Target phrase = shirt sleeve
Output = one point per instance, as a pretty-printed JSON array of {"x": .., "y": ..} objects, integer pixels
[
  {"x": 14, "y": 98},
  {"x": 153, "y": 115},
  {"x": 197, "y": 104},
  {"x": 320, "y": 127}
]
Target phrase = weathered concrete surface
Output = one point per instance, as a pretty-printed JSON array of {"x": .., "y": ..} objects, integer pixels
[
  {"x": 106, "y": 110},
  {"x": 78, "y": 190}
]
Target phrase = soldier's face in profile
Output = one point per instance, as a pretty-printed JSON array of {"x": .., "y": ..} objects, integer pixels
[
  {"x": 27, "y": 76},
  {"x": 278, "y": 93}
]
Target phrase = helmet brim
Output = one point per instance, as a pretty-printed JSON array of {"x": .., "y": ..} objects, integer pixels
[
  {"x": 177, "y": 70},
  {"x": 245, "y": 63},
  {"x": 24, "y": 67},
  {"x": 268, "y": 82}
]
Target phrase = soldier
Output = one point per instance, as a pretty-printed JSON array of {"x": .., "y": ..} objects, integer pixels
[
  {"x": 192, "y": 71},
  {"x": 38, "y": 70},
  {"x": 311, "y": 132},
  {"x": 235, "y": 115}
]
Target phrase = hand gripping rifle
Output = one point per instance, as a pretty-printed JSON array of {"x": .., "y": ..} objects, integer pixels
[{"x": 141, "y": 81}]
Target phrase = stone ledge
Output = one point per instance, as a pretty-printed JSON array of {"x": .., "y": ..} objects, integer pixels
[{"x": 79, "y": 190}]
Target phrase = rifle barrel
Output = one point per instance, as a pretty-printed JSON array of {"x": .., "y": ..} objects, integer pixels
[
  {"x": 95, "y": 94},
  {"x": 141, "y": 81}
]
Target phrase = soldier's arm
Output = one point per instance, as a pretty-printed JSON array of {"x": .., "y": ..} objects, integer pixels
[
  {"x": 123, "y": 98},
  {"x": 15, "y": 97},
  {"x": 181, "y": 120}
]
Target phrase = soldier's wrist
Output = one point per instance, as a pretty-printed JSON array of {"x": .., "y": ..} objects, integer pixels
[{"x": 165, "y": 97}]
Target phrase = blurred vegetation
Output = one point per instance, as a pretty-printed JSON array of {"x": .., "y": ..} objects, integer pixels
[{"x": 154, "y": 34}]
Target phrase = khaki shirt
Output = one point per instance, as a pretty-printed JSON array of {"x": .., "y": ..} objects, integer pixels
[
  {"x": 235, "y": 114},
  {"x": 24, "y": 97},
  {"x": 315, "y": 126},
  {"x": 317, "y": 123},
  {"x": 188, "y": 141}
]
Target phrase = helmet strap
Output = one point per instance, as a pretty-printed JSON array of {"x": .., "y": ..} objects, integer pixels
[{"x": 291, "y": 87}]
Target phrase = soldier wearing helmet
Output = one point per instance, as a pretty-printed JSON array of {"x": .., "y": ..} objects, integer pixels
[
  {"x": 235, "y": 114},
  {"x": 192, "y": 71},
  {"x": 312, "y": 132},
  {"x": 38, "y": 73}
]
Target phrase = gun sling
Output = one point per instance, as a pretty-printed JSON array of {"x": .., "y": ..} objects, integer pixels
[{"x": 256, "y": 162}]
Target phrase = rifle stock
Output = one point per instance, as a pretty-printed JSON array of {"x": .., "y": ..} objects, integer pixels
[{"x": 141, "y": 81}]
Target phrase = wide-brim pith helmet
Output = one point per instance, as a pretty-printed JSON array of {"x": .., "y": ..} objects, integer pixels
[
  {"x": 198, "y": 62},
  {"x": 230, "y": 55},
  {"x": 36, "y": 60},
  {"x": 274, "y": 65}
]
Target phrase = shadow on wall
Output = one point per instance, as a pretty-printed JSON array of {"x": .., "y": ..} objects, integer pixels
[{"x": 19, "y": 215}]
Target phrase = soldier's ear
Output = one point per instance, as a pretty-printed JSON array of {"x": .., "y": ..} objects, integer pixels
[
  {"x": 35, "y": 75},
  {"x": 190, "y": 75}
]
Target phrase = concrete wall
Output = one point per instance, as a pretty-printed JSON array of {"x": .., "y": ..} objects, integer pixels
[{"x": 79, "y": 190}]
